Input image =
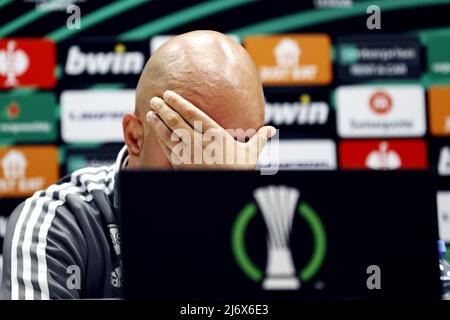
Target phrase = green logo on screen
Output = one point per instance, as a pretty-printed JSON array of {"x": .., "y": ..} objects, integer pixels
[{"x": 278, "y": 205}]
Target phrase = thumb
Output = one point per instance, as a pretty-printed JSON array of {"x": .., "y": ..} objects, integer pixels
[{"x": 259, "y": 140}]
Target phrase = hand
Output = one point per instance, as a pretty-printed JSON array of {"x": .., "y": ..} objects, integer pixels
[{"x": 191, "y": 139}]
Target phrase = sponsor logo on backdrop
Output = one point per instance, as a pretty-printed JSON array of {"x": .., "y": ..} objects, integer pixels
[
  {"x": 83, "y": 110},
  {"x": 15, "y": 63},
  {"x": 27, "y": 117},
  {"x": 380, "y": 103},
  {"x": 119, "y": 61},
  {"x": 301, "y": 154},
  {"x": 25, "y": 170},
  {"x": 439, "y": 110},
  {"x": 14, "y": 164},
  {"x": 279, "y": 205},
  {"x": 380, "y": 111},
  {"x": 27, "y": 63},
  {"x": 438, "y": 55},
  {"x": 444, "y": 161},
  {"x": 378, "y": 57},
  {"x": 443, "y": 205},
  {"x": 293, "y": 59},
  {"x": 159, "y": 40},
  {"x": 383, "y": 154},
  {"x": 104, "y": 60},
  {"x": 383, "y": 158},
  {"x": 303, "y": 112},
  {"x": 12, "y": 111}
]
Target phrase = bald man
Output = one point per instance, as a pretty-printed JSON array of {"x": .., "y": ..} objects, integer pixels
[
  {"x": 212, "y": 72},
  {"x": 199, "y": 104}
]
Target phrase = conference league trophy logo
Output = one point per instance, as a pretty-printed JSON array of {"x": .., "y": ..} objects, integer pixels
[{"x": 278, "y": 206}]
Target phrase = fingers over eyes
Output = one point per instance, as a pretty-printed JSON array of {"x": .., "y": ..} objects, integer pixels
[
  {"x": 165, "y": 135},
  {"x": 170, "y": 117},
  {"x": 188, "y": 111}
]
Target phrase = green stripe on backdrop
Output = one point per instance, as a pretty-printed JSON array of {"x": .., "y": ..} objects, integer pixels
[
  {"x": 280, "y": 24},
  {"x": 4, "y": 3},
  {"x": 96, "y": 17},
  {"x": 21, "y": 21},
  {"x": 303, "y": 19},
  {"x": 424, "y": 34},
  {"x": 181, "y": 17}
]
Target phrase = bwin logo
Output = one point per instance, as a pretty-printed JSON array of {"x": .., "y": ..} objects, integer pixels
[
  {"x": 101, "y": 63},
  {"x": 289, "y": 113}
]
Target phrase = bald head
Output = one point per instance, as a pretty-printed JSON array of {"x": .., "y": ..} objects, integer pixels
[{"x": 212, "y": 71}]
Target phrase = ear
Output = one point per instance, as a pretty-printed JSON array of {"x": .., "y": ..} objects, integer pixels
[{"x": 133, "y": 133}]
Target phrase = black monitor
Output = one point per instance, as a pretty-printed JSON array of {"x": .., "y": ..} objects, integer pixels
[{"x": 293, "y": 235}]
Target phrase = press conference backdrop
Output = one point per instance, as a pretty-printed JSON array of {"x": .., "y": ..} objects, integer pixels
[{"x": 343, "y": 96}]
